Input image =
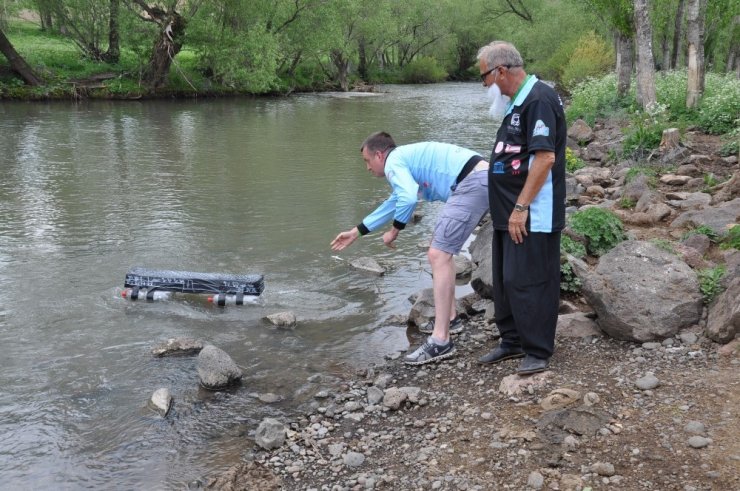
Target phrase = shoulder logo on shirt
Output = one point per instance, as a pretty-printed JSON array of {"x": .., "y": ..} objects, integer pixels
[
  {"x": 515, "y": 119},
  {"x": 540, "y": 129},
  {"x": 498, "y": 168},
  {"x": 513, "y": 149},
  {"x": 499, "y": 147}
]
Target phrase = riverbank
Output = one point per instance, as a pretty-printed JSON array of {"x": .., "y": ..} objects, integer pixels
[
  {"x": 609, "y": 414},
  {"x": 586, "y": 423}
]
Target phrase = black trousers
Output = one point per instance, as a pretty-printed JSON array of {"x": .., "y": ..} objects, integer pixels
[{"x": 526, "y": 290}]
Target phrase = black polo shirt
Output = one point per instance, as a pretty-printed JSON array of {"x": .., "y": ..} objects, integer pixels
[{"x": 534, "y": 121}]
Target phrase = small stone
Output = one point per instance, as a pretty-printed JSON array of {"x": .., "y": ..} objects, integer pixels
[
  {"x": 699, "y": 441},
  {"x": 591, "y": 398},
  {"x": 648, "y": 382},
  {"x": 354, "y": 459},
  {"x": 603, "y": 469},
  {"x": 535, "y": 480},
  {"x": 688, "y": 338},
  {"x": 695, "y": 427}
]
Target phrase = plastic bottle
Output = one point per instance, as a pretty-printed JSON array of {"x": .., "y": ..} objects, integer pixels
[
  {"x": 156, "y": 295},
  {"x": 225, "y": 299}
]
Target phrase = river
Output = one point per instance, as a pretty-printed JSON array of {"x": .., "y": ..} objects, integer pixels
[{"x": 90, "y": 189}]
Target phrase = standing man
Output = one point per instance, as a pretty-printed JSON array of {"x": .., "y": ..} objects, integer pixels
[
  {"x": 527, "y": 199},
  {"x": 437, "y": 172}
]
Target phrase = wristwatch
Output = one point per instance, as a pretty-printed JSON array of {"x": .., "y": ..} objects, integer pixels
[{"x": 518, "y": 207}]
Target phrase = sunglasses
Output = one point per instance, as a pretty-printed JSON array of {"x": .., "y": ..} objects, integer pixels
[{"x": 486, "y": 73}]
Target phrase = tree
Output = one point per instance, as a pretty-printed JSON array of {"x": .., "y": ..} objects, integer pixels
[
  {"x": 695, "y": 36},
  {"x": 17, "y": 63},
  {"x": 619, "y": 15},
  {"x": 645, "y": 65}
]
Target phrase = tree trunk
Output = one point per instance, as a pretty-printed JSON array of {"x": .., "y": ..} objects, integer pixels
[
  {"x": 342, "y": 65},
  {"x": 695, "y": 12},
  {"x": 677, "y": 34},
  {"x": 114, "y": 51},
  {"x": 625, "y": 62},
  {"x": 17, "y": 63},
  {"x": 165, "y": 48},
  {"x": 645, "y": 64},
  {"x": 362, "y": 54}
]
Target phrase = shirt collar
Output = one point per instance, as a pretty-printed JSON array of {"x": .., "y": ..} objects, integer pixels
[{"x": 522, "y": 93}]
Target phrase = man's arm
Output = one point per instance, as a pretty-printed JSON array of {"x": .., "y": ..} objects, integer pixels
[{"x": 538, "y": 171}]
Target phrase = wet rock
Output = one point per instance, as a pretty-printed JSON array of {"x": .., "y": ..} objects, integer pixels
[
  {"x": 216, "y": 369},
  {"x": 368, "y": 265},
  {"x": 250, "y": 475},
  {"x": 269, "y": 398},
  {"x": 281, "y": 319},
  {"x": 270, "y": 434},
  {"x": 178, "y": 346},
  {"x": 423, "y": 309},
  {"x": 161, "y": 401}
]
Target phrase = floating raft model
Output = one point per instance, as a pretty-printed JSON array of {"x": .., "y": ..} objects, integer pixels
[{"x": 150, "y": 284}]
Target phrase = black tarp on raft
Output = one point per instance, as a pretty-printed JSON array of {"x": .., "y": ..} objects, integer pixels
[{"x": 191, "y": 282}]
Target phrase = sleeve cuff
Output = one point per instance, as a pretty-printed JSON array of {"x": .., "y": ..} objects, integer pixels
[
  {"x": 363, "y": 229},
  {"x": 399, "y": 225}
]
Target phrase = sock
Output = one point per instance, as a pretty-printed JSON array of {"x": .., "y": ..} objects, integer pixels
[{"x": 438, "y": 342}]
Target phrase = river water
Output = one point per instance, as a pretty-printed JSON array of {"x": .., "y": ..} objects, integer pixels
[{"x": 90, "y": 189}]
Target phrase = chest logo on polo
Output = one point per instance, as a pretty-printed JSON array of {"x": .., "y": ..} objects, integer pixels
[
  {"x": 498, "y": 168},
  {"x": 540, "y": 129},
  {"x": 499, "y": 147},
  {"x": 515, "y": 164},
  {"x": 513, "y": 148}
]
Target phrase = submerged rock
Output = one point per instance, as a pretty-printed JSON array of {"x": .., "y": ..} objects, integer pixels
[
  {"x": 178, "y": 346},
  {"x": 161, "y": 401},
  {"x": 368, "y": 265}
]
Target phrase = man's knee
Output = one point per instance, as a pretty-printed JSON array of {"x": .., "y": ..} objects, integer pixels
[{"x": 437, "y": 256}]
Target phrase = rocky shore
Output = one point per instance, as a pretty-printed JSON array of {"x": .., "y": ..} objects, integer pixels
[{"x": 642, "y": 392}]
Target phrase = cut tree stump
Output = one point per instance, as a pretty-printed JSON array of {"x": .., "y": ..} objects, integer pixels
[{"x": 671, "y": 139}]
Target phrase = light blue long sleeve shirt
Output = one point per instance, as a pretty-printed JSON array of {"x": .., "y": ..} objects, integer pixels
[{"x": 427, "y": 170}]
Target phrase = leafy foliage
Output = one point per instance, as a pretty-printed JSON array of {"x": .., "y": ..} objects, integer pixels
[
  {"x": 569, "y": 282},
  {"x": 423, "y": 70},
  {"x": 592, "y": 57},
  {"x": 703, "y": 230},
  {"x": 732, "y": 240},
  {"x": 601, "y": 227},
  {"x": 643, "y": 135},
  {"x": 573, "y": 162},
  {"x": 709, "y": 283}
]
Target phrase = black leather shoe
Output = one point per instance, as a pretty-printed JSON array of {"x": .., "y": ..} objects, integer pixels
[
  {"x": 499, "y": 354},
  {"x": 531, "y": 364}
]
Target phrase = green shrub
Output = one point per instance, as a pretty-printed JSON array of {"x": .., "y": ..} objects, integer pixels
[
  {"x": 593, "y": 98},
  {"x": 650, "y": 172},
  {"x": 643, "y": 136},
  {"x": 572, "y": 162},
  {"x": 569, "y": 282},
  {"x": 730, "y": 147},
  {"x": 709, "y": 283},
  {"x": 423, "y": 70},
  {"x": 732, "y": 240},
  {"x": 572, "y": 247},
  {"x": 702, "y": 230},
  {"x": 627, "y": 203},
  {"x": 592, "y": 57},
  {"x": 601, "y": 227},
  {"x": 720, "y": 104}
]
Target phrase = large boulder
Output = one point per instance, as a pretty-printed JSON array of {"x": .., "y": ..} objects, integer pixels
[
  {"x": 641, "y": 292},
  {"x": 216, "y": 369},
  {"x": 423, "y": 309},
  {"x": 723, "y": 323},
  {"x": 718, "y": 218},
  {"x": 480, "y": 252}
]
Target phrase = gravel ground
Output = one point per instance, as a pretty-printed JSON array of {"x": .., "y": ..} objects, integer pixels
[{"x": 607, "y": 415}]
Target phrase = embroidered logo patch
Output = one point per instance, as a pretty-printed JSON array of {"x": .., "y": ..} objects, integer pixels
[
  {"x": 499, "y": 147},
  {"x": 498, "y": 168},
  {"x": 540, "y": 129},
  {"x": 515, "y": 119},
  {"x": 513, "y": 149},
  {"x": 515, "y": 164}
]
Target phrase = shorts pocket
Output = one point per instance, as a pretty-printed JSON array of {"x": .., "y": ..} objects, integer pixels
[{"x": 451, "y": 225}]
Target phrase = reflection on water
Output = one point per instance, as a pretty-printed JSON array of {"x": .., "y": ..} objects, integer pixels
[{"x": 89, "y": 190}]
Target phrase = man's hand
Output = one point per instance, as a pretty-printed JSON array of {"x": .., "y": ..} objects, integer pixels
[
  {"x": 390, "y": 236},
  {"x": 518, "y": 226},
  {"x": 344, "y": 239}
]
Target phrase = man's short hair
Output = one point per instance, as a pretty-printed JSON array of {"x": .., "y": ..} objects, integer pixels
[
  {"x": 378, "y": 142},
  {"x": 500, "y": 53}
]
